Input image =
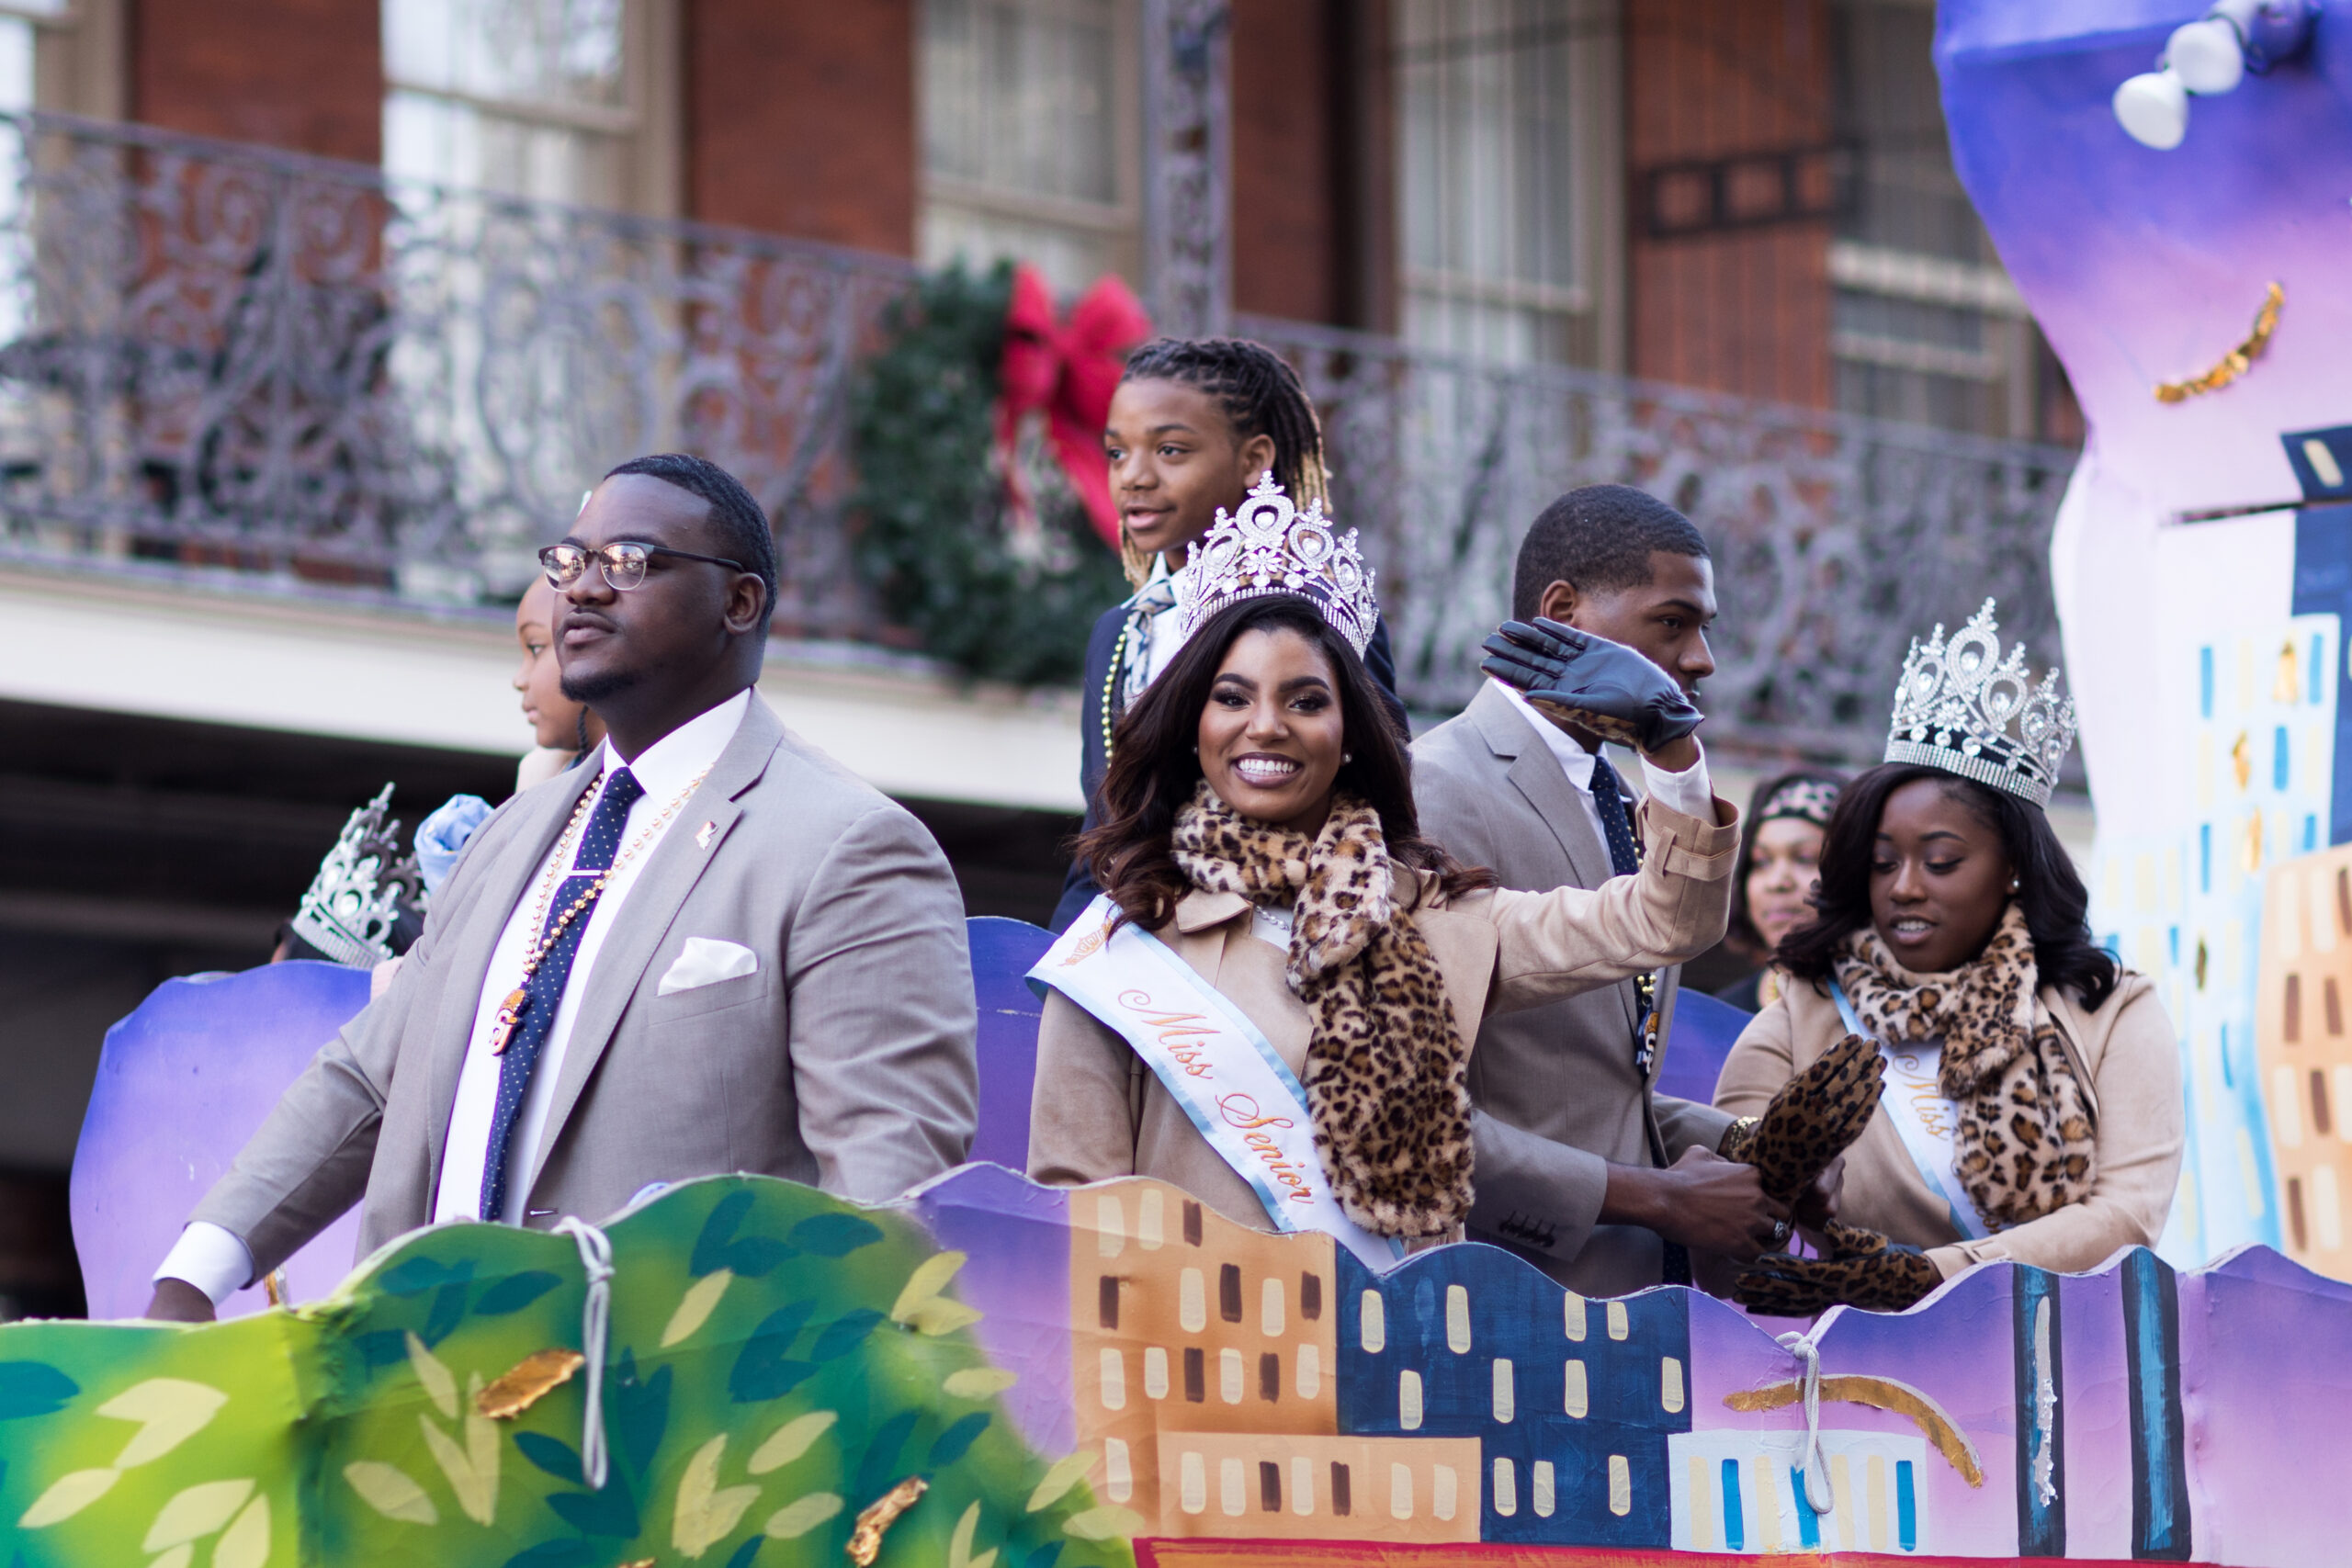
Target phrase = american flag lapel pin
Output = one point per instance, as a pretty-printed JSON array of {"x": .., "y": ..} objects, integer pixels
[{"x": 702, "y": 835}]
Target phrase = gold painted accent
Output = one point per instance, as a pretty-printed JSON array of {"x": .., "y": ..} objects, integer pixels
[
  {"x": 2202, "y": 956},
  {"x": 866, "y": 1540},
  {"x": 527, "y": 1382},
  {"x": 2241, "y": 759},
  {"x": 2235, "y": 363},
  {"x": 273, "y": 1285},
  {"x": 1879, "y": 1394},
  {"x": 2254, "y": 843},
  {"x": 2288, "y": 687},
  {"x": 639, "y": 1563}
]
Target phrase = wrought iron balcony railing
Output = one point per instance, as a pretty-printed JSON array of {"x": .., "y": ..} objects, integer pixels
[
  {"x": 221, "y": 357},
  {"x": 1836, "y": 540}
]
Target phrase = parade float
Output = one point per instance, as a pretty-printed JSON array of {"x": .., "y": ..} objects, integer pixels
[{"x": 992, "y": 1374}]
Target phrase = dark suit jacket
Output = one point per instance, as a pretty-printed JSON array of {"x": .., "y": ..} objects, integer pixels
[
  {"x": 1077, "y": 884},
  {"x": 1558, "y": 1097}
]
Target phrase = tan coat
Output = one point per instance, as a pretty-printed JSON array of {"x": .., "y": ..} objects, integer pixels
[
  {"x": 1099, "y": 1112},
  {"x": 2125, "y": 1051},
  {"x": 1560, "y": 1095}
]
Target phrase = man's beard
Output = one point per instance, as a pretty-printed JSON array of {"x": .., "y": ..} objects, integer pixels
[{"x": 593, "y": 689}]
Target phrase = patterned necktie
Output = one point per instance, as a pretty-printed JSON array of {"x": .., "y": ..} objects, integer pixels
[
  {"x": 1151, "y": 600},
  {"x": 598, "y": 844}
]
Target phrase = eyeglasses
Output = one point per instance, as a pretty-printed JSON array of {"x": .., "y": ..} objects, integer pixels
[{"x": 624, "y": 563}]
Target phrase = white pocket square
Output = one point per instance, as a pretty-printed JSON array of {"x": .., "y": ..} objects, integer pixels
[{"x": 705, "y": 962}]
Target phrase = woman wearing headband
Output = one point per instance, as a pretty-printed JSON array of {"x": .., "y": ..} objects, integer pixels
[
  {"x": 1271, "y": 1005},
  {"x": 2032, "y": 1104},
  {"x": 1772, "y": 883}
]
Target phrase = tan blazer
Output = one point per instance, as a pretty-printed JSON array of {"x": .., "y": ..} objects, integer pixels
[
  {"x": 845, "y": 1060},
  {"x": 1098, "y": 1111},
  {"x": 1560, "y": 1100},
  {"x": 2125, "y": 1051}
]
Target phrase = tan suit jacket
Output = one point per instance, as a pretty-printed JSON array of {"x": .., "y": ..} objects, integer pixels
[
  {"x": 844, "y": 1060},
  {"x": 1099, "y": 1112},
  {"x": 2126, "y": 1054},
  {"x": 1560, "y": 1095}
]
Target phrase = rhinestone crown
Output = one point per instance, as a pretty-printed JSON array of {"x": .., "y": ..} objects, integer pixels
[
  {"x": 1964, "y": 708},
  {"x": 1270, "y": 548},
  {"x": 361, "y": 889}
]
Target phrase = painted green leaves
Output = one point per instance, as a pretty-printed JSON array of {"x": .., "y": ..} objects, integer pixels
[{"x": 776, "y": 1362}]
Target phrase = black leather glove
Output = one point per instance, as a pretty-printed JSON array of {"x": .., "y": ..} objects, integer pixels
[
  {"x": 1586, "y": 680},
  {"x": 1864, "y": 1269},
  {"x": 1815, "y": 1117}
]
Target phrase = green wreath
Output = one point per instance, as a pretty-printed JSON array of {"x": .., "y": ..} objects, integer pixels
[{"x": 937, "y": 543}]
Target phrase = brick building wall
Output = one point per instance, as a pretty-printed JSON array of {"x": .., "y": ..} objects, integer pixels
[
  {"x": 1287, "y": 162},
  {"x": 801, "y": 118},
  {"x": 305, "y": 74},
  {"x": 1743, "y": 311}
]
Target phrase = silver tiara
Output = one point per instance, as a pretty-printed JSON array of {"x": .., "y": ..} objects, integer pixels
[
  {"x": 1964, "y": 708},
  {"x": 1271, "y": 547},
  {"x": 360, "y": 891}
]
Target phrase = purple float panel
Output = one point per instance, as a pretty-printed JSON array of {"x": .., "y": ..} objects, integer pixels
[
  {"x": 1702, "y": 1033},
  {"x": 1016, "y": 1235},
  {"x": 182, "y": 1084},
  {"x": 2267, "y": 1386},
  {"x": 1003, "y": 952}
]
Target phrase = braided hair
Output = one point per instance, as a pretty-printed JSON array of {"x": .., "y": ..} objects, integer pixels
[{"x": 1259, "y": 392}]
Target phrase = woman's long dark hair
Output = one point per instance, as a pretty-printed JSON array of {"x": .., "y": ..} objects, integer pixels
[
  {"x": 1154, "y": 764},
  {"x": 2056, "y": 905}
]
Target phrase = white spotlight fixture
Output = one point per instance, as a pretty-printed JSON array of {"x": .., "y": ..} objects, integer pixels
[{"x": 2209, "y": 56}]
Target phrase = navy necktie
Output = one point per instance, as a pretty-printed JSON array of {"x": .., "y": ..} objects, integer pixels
[
  {"x": 1616, "y": 827},
  {"x": 598, "y": 844},
  {"x": 1626, "y": 860}
]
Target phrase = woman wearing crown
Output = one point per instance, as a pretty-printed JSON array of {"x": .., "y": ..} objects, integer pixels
[
  {"x": 1273, "y": 1005},
  {"x": 2033, "y": 1104}
]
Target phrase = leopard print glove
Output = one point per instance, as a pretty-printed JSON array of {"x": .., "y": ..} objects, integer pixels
[
  {"x": 1816, "y": 1115},
  {"x": 1864, "y": 1269}
]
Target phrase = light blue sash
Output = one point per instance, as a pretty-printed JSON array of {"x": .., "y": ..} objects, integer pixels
[
  {"x": 1213, "y": 1062},
  {"x": 1901, "y": 1101}
]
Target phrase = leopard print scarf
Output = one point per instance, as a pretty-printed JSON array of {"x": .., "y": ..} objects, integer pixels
[
  {"x": 1385, "y": 1066},
  {"x": 2024, "y": 1146}
]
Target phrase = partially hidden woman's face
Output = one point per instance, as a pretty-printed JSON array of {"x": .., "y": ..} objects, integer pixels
[
  {"x": 554, "y": 717},
  {"x": 1781, "y": 876},
  {"x": 1939, "y": 877},
  {"x": 1271, "y": 738}
]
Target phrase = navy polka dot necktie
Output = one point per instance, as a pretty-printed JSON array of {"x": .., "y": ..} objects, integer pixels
[
  {"x": 1616, "y": 827},
  {"x": 1624, "y": 854},
  {"x": 598, "y": 844}
]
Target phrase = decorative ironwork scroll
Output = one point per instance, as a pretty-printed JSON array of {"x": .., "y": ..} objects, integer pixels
[
  {"x": 1836, "y": 540},
  {"x": 1188, "y": 122},
  {"x": 222, "y": 355}
]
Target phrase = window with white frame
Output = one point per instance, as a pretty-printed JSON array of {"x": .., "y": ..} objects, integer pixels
[
  {"x": 1031, "y": 136},
  {"x": 1926, "y": 326},
  {"x": 1507, "y": 147},
  {"x": 540, "y": 98}
]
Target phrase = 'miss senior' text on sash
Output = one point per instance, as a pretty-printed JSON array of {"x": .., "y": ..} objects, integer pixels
[{"x": 1213, "y": 1062}]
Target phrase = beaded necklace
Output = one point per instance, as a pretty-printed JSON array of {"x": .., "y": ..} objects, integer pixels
[{"x": 517, "y": 1001}]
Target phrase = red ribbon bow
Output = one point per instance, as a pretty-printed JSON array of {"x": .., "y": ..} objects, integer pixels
[{"x": 1067, "y": 372}]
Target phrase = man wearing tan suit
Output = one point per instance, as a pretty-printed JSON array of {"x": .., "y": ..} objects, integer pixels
[
  {"x": 1581, "y": 1168},
  {"x": 708, "y": 949}
]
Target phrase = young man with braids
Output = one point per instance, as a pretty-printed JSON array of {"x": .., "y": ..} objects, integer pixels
[
  {"x": 707, "y": 948},
  {"x": 1194, "y": 424}
]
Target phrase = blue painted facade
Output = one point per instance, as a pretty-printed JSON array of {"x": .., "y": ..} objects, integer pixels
[{"x": 1516, "y": 1315}]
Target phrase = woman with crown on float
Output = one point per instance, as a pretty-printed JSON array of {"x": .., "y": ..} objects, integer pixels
[
  {"x": 1271, "y": 1006},
  {"x": 2032, "y": 1100}
]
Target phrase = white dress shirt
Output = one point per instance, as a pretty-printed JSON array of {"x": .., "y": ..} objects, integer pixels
[
  {"x": 1687, "y": 792},
  {"x": 216, "y": 1262},
  {"x": 1163, "y": 633}
]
